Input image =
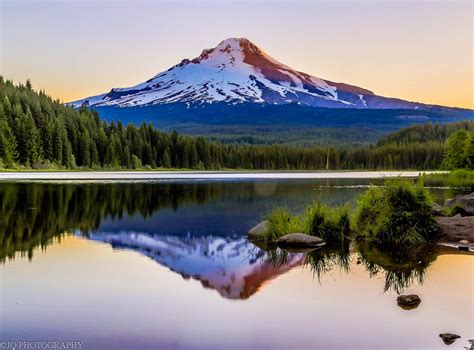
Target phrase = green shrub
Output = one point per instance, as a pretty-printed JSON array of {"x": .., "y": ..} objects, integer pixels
[
  {"x": 330, "y": 224},
  {"x": 397, "y": 214}
]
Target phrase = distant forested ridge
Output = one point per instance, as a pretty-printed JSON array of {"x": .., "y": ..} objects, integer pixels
[
  {"x": 425, "y": 133},
  {"x": 40, "y": 133}
]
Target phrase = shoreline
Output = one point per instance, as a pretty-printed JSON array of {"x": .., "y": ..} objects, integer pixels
[{"x": 205, "y": 175}]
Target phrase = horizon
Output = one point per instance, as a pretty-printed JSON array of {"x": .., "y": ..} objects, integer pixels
[{"x": 383, "y": 61}]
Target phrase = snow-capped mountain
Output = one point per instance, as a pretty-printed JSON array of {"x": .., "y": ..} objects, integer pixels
[
  {"x": 237, "y": 71},
  {"x": 235, "y": 268}
]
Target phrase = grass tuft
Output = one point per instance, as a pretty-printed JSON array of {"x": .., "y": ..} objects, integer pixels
[
  {"x": 397, "y": 214},
  {"x": 283, "y": 222},
  {"x": 330, "y": 224}
]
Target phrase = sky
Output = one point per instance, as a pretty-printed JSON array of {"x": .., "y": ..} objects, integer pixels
[{"x": 419, "y": 50}]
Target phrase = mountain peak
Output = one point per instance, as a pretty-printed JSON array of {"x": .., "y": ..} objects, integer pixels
[
  {"x": 230, "y": 46},
  {"x": 238, "y": 71},
  {"x": 237, "y": 44},
  {"x": 234, "y": 42}
]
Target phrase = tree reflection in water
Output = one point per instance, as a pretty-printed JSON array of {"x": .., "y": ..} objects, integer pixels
[{"x": 401, "y": 268}]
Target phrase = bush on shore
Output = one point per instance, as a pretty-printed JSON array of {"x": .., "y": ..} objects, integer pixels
[{"x": 400, "y": 213}]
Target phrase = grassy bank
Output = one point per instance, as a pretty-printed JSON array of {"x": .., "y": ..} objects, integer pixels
[{"x": 458, "y": 177}]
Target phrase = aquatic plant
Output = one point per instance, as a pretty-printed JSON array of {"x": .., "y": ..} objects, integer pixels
[
  {"x": 283, "y": 222},
  {"x": 330, "y": 224},
  {"x": 398, "y": 214}
]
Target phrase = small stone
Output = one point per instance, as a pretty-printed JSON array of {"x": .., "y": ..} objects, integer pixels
[
  {"x": 299, "y": 240},
  {"x": 449, "y": 338},
  {"x": 408, "y": 302},
  {"x": 464, "y": 241}
]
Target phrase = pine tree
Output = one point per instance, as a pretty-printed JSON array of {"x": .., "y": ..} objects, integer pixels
[
  {"x": 166, "y": 160},
  {"x": 7, "y": 142},
  {"x": 27, "y": 137},
  {"x": 57, "y": 144},
  {"x": 193, "y": 156},
  {"x": 126, "y": 159}
]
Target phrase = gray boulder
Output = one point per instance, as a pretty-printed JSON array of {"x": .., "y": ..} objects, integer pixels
[
  {"x": 259, "y": 231},
  {"x": 299, "y": 240},
  {"x": 408, "y": 302},
  {"x": 465, "y": 202},
  {"x": 449, "y": 338}
]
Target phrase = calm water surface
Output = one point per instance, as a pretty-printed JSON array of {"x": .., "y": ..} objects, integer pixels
[{"x": 166, "y": 265}]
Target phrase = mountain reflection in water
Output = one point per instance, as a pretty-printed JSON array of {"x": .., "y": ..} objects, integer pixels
[{"x": 235, "y": 268}]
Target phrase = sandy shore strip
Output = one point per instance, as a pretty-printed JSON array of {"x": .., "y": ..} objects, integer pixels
[{"x": 202, "y": 175}]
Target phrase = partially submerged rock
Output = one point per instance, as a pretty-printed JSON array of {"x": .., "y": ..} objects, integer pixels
[
  {"x": 259, "y": 231},
  {"x": 457, "y": 231},
  {"x": 299, "y": 240},
  {"x": 408, "y": 302},
  {"x": 449, "y": 338},
  {"x": 465, "y": 203}
]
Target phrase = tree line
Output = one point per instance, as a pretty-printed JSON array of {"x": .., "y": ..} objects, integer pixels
[{"x": 39, "y": 132}]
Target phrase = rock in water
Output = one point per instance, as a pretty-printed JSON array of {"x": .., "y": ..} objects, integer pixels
[
  {"x": 457, "y": 230},
  {"x": 300, "y": 240},
  {"x": 259, "y": 231},
  {"x": 449, "y": 338},
  {"x": 465, "y": 202},
  {"x": 408, "y": 302}
]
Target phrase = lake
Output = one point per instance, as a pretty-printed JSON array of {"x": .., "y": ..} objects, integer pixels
[{"x": 165, "y": 264}]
